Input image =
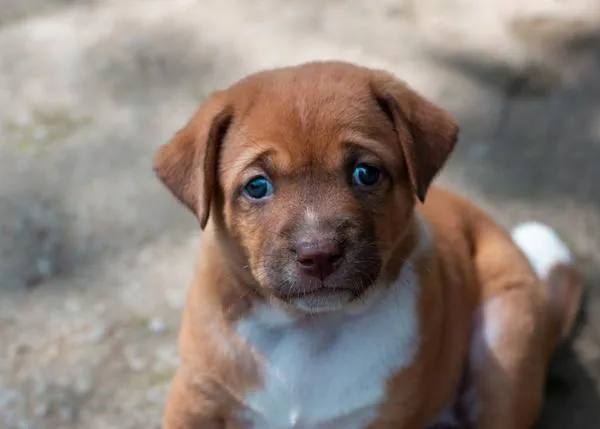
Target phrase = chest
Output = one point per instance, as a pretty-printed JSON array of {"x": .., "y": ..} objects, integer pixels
[{"x": 330, "y": 371}]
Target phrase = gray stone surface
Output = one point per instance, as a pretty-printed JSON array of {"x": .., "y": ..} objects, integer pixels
[{"x": 95, "y": 256}]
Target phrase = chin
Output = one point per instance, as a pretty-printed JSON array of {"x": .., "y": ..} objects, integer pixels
[
  {"x": 330, "y": 300},
  {"x": 324, "y": 301}
]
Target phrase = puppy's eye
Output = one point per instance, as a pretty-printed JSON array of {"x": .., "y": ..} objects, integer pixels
[
  {"x": 365, "y": 175},
  {"x": 258, "y": 188}
]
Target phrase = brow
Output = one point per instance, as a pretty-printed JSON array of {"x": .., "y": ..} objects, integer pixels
[
  {"x": 363, "y": 146},
  {"x": 255, "y": 157}
]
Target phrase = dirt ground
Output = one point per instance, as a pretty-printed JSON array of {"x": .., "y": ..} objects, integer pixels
[{"x": 95, "y": 256}]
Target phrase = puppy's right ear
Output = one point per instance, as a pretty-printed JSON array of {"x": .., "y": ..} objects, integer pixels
[{"x": 188, "y": 164}]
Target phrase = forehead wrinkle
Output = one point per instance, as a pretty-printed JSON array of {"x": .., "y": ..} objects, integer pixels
[
  {"x": 302, "y": 111},
  {"x": 307, "y": 126},
  {"x": 329, "y": 138},
  {"x": 248, "y": 158},
  {"x": 373, "y": 146},
  {"x": 314, "y": 135}
]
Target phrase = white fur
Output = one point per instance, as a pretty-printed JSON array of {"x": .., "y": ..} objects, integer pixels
[
  {"x": 330, "y": 371},
  {"x": 310, "y": 217},
  {"x": 542, "y": 246}
]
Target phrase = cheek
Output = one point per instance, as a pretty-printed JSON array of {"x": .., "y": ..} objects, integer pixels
[
  {"x": 247, "y": 231},
  {"x": 392, "y": 218},
  {"x": 266, "y": 234},
  {"x": 258, "y": 231}
]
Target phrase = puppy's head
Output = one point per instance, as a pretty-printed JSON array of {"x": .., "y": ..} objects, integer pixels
[{"x": 311, "y": 173}]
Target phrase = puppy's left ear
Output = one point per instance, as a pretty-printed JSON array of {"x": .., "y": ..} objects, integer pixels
[
  {"x": 426, "y": 133},
  {"x": 188, "y": 164}
]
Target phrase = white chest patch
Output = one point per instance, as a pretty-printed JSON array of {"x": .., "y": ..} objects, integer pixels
[{"x": 330, "y": 371}]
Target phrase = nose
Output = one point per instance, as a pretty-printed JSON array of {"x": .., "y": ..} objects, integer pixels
[{"x": 318, "y": 258}]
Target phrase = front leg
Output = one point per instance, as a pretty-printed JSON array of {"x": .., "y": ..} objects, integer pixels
[{"x": 192, "y": 406}]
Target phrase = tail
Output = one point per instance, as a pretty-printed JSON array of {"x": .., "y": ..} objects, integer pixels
[{"x": 553, "y": 262}]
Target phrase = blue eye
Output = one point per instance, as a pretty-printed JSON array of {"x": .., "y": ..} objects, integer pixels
[
  {"x": 365, "y": 175},
  {"x": 258, "y": 188}
]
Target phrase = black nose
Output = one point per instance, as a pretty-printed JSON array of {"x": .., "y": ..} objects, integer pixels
[{"x": 318, "y": 258}]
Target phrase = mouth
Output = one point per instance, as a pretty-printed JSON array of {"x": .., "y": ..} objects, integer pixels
[
  {"x": 288, "y": 283},
  {"x": 321, "y": 299},
  {"x": 320, "y": 292}
]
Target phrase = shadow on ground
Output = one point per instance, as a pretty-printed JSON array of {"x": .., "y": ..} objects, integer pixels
[{"x": 572, "y": 398}]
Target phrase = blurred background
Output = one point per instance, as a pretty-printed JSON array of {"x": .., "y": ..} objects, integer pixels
[{"x": 95, "y": 256}]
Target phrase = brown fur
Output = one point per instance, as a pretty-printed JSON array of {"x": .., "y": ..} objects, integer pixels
[{"x": 294, "y": 125}]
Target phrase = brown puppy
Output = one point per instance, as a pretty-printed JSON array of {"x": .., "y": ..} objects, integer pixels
[{"x": 328, "y": 293}]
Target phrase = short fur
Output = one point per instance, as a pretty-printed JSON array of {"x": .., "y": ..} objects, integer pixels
[{"x": 431, "y": 313}]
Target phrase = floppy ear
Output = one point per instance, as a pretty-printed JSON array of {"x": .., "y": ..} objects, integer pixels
[
  {"x": 187, "y": 164},
  {"x": 426, "y": 133}
]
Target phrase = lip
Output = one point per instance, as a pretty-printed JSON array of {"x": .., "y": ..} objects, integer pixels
[
  {"x": 322, "y": 300},
  {"x": 320, "y": 292}
]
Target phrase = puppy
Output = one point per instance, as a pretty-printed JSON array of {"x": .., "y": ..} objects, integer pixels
[{"x": 336, "y": 288}]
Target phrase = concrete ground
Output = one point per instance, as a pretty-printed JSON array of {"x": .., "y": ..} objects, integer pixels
[{"x": 95, "y": 255}]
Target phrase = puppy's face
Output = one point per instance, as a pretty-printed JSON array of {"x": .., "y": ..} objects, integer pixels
[
  {"x": 313, "y": 172},
  {"x": 315, "y": 191}
]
